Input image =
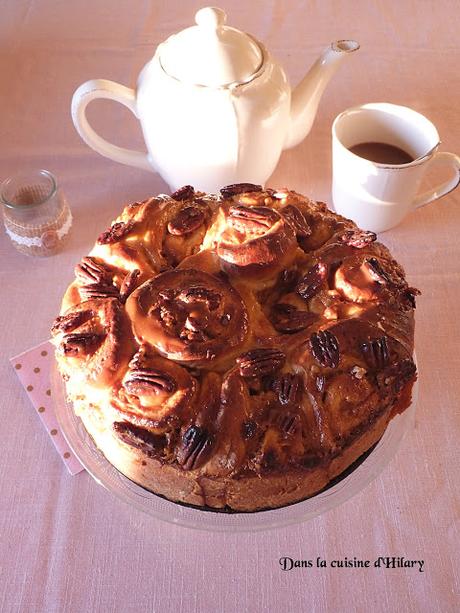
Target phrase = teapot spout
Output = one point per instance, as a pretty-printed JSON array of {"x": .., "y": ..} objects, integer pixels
[{"x": 306, "y": 96}]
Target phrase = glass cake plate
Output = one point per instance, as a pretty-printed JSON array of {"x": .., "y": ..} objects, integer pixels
[{"x": 364, "y": 470}]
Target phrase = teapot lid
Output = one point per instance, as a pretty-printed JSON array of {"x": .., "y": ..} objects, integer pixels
[{"x": 211, "y": 53}]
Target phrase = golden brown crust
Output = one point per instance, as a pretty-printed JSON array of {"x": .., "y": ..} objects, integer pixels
[{"x": 239, "y": 351}]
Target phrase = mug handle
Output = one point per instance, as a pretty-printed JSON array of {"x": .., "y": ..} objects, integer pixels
[
  {"x": 431, "y": 195},
  {"x": 102, "y": 88}
]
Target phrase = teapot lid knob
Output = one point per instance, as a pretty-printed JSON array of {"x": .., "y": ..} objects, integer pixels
[{"x": 211, "y": 17}]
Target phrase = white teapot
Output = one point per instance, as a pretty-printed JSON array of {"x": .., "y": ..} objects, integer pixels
[{"x": 215, "y": 107}]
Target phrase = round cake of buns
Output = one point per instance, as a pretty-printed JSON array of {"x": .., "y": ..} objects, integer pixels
[{"x": 236, "y": 351}]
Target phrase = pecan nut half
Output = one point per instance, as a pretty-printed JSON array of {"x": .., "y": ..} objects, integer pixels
[
  {"x": 194, "y": 449},
  {"x": 358, "y": 238},
  {"x": 259, "y": 362},
  {"x": 287, "y": 387},
  {"x": 81, "y": 343},
  {"x": 116, "y": 232},
  {"x": 185, "y": 192},
  {"x": 98, "y": 290},
  {"x": 186, "y": 220},
  {"x": 376, "y": 352},
  {"x": 288, "y": 423},
  {"x": 140, "y": 438},
  {"x": 249, "y": 217},
  {"x": 67, "y": 323},
  {"x": 311, "y": 282},
  {"x": 150, "y": 380},
  {"x": 297, "y": 220},
  {"x": 239, "y": 188},
  {"x": 325, "y": 348},
  {"x": 89, "y": 271}
]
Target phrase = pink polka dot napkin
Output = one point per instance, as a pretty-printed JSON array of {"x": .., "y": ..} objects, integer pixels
[{"x": 33, "y": 368}]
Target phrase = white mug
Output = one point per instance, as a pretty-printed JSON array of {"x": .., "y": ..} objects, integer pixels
[{"x": 378, "y": 196}]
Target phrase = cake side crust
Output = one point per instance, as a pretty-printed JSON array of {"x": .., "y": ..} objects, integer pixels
[{"x": 247, "y": 493}]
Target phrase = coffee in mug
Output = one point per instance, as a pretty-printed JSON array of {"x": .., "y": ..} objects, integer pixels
[{"x": 380, "y": 153}]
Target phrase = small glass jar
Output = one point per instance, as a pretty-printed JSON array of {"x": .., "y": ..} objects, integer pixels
[{"x": 35, "y": 212}]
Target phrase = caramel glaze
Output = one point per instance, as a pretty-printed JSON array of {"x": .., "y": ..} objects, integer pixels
[{"x": 250, "y": 334}]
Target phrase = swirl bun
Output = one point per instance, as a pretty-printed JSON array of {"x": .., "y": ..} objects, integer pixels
[
  {"x": 153, "y": 392},
  {"x": 188, "y": 315},
  {"x": 95, "y": 339},
  {"x": 255, "y": 237},
  {"x": 236, "y": 351}
]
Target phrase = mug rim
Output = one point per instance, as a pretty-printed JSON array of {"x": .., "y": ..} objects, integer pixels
[{"x": 368, "y": 106}]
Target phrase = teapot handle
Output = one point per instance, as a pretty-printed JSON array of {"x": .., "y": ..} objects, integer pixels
[{"x": 102, "y": 88}]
